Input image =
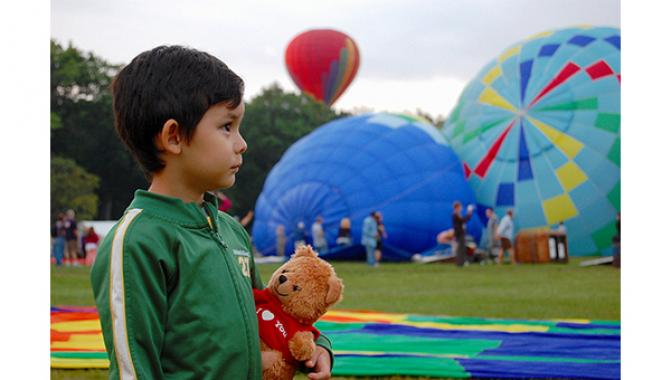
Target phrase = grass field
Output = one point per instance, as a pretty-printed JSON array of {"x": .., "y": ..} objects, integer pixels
[{"x": 549, "y": 291}]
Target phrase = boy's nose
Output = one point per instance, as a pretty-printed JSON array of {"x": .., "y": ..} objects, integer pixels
[
  {"x": 282, "y": 279},
  {"x": 241, "y": 145}
]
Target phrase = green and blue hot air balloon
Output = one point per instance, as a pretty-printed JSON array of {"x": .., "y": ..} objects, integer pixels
[
  {"x": 538, "y": 130},
  {"x": 392, "y": 163}
]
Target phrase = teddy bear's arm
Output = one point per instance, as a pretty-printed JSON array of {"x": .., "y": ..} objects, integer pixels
[{"x": 302, "y": 345}]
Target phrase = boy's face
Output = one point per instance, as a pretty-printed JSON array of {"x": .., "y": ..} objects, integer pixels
[{"x": 214, "y": 154}]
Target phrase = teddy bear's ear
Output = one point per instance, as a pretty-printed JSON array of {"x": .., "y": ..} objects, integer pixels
[
  {"x": 335, "y": 287},
  {"x": 305, "y": 251}
]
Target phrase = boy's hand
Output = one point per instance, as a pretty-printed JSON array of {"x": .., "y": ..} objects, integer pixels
[{"x": 320, "y": 361}]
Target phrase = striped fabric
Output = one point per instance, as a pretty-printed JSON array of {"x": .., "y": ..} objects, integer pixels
[{"x": 383, "y": 344}]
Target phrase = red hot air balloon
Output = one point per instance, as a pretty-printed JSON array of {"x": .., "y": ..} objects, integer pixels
[{"x": 322, "y": 63}]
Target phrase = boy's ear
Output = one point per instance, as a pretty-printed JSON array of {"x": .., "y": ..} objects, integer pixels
[{"x": 169, "y": 139}]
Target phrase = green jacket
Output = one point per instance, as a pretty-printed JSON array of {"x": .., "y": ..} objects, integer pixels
[{"x": 173, "y": 290}]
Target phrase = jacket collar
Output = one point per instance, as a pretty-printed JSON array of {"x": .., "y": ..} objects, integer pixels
[{"x": 177, "y": 211}]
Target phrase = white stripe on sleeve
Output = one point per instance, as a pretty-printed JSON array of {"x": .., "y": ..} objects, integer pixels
[{"x": 117, "y": 299}]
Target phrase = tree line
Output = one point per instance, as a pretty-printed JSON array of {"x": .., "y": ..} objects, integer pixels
[{"x": 93, "y": 173}]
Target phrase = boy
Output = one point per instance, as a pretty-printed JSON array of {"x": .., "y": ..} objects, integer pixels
[{"x": 173, "y": 279}]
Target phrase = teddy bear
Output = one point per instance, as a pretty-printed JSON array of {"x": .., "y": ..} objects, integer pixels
[{"x": 297, "y": 295}]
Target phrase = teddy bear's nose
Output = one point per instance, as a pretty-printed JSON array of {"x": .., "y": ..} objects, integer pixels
[{"x": 282, "y": 279}]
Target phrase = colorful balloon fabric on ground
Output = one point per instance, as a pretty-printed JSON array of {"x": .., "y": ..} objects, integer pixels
[
  {"x": 322, "y": 63},
  {"x": 538, "y": 131},
  {"x": 384, "y": 344},
  {"x": 395, "y": 164}
]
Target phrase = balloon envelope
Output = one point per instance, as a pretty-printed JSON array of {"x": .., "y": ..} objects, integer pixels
[
  {"x": 351, "y": 166},
  {"x": 538, "y": 131},
  {"x": 322, "y": 63}
]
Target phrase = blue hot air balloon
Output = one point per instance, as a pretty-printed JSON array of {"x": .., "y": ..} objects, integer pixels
[
  {"x": 396, "y": 164},
  {"x": 538, "y": 131}
]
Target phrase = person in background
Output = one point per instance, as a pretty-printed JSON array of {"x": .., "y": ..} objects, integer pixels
[
  {"x": 224, "y": 202},
  {"x": 344, "y": 233},
  {"x": 369, "y": 238},
  {"x": 561, "y": 228},
  {"x": 616, "y": 242},
  {"x": 71, "y": 239},
  {"x": 492, "y": 243},
  {"x": 381, "y": 235},
  {"x": 505, "y": 233},
  {"x": 300, "y": 236},
  {"x": 458, "y": 223},
  {"x": 280, "y": 239},
  {"x": 319, "y": 236},
  {"x": 246, "y": 219},
  {"x": 58, "y": 234},
  {"x": 91, "y": 245}
]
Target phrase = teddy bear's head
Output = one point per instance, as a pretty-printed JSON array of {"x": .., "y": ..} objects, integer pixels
[{"x": 306, "y": 286}]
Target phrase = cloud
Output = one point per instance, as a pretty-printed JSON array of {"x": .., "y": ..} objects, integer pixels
[
  {"x": 436, "y": 95},
  {"x": 401, "y": 43}
]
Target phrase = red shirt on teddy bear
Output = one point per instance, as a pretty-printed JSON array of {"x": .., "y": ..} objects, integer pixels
[{"x": 275, "y": 326}]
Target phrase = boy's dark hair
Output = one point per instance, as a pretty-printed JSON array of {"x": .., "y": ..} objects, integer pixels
[{"x": 168, "y": 82}]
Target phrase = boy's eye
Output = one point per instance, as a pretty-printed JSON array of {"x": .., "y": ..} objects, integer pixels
[{"x": 227, "y": 127}]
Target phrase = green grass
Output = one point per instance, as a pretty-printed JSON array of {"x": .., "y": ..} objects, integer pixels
[
  {"x": 549, "y": 291},
  {"x": 507, "y": 291}
]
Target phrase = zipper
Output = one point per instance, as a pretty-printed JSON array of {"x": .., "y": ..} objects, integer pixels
[
  {"x": 211, "y": 228},
  {"x": 231, "y": 267}
]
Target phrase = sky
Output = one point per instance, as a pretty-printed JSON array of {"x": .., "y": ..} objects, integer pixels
[{"x": 414, "y": 54}]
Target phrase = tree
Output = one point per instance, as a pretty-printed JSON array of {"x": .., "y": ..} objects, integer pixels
[
  {"x": 72, "y": 187},
  {"x": 437, "y": 122},
  {"x": 83, "y": 130},
  {"x": 56, "y": 123},
  {"x": 83, "y": 126},
  {"x": 273, "y": 121},
  {"x": 78, "y": 76}
]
